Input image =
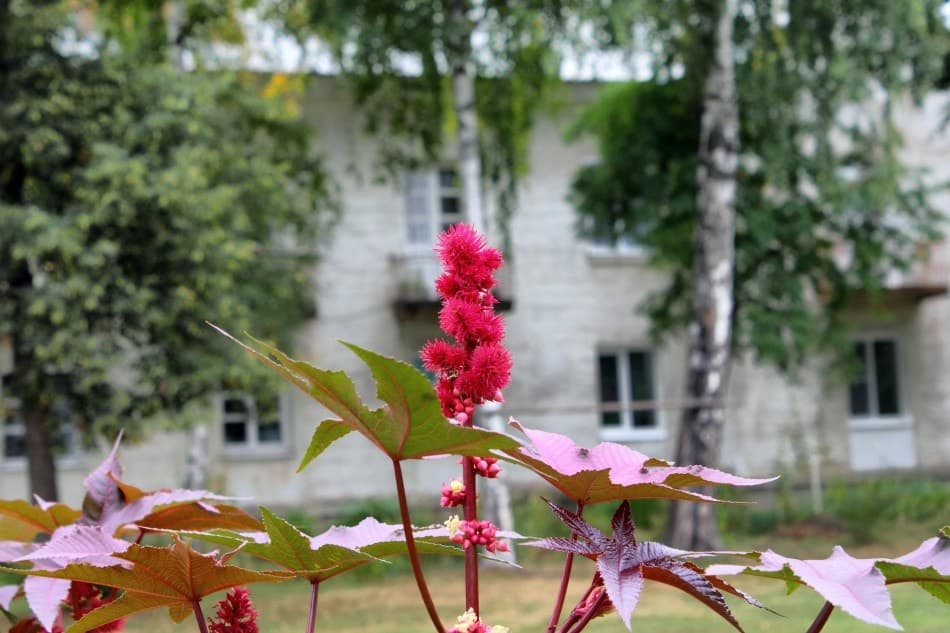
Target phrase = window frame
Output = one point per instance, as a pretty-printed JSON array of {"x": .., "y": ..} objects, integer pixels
[
  {"x": 627, "y": 403},
  {"x": 435, "y": 191},
  {"x": 67, "y": 454},
  {"x": 874, "y": 419},
  {"x": 252, "y": 446}
]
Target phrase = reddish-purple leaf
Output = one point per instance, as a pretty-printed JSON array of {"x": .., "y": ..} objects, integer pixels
[
  {"x": 102, "y": 494},
  {"x": 623, "y": 564},
  {"x": 7, "y": 594},
  {"x": 613, "y": 472},
  {"x": 693, "y": 581},
  {"x": 45, "y": 595},
  {"x": 578, "y": 525}
]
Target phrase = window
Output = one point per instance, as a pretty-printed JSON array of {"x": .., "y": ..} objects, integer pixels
[
  {"x": 875, "y": 390},
  {"x": 13, "y": 431},
  {"x": 247, "y": 423},
  {"x": 627, "y": 395},
  {"x": 433, "y": 204}
]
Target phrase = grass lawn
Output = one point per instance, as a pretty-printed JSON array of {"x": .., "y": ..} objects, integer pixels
[{"x": 521, "y": 600}]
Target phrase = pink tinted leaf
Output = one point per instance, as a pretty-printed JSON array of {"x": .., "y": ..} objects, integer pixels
[
  {"x": 80, "y": 544},
  {"x": 44, "y": 595},
  {"x": 102, "y": 493},
  {"x": 7, "y": 594},
  {"x": 623, "y": 585},
  {"x": 612, "y": 472},
  {"x": 934, "y": 552},
  {"x": 14, "y": 550},
  {"x": 114, "y": 518},
  {"x": 852, "y": 584},
  {"x": 928, "y": 566}
]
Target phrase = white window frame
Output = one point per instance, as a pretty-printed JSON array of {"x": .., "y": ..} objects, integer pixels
[
  {"x": 435, "y": 215},
  {"x": 626, "y": 431},
  {"x": 874, "y": 420},
  {"x": 252, "y": 446}
]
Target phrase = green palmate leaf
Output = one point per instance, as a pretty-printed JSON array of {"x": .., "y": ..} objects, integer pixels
[
  {"x": 22, "y": 521},
  {"x": 174, "y": 577},
  {"x": 330, "y": 554},
  {"x": 929, "y": 579},
  {"x": 325, "y": 434},
  {"x": 411, "y": 426}
]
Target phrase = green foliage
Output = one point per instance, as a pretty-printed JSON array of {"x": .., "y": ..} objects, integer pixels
[
  {"x": 814, "y": 181},
  {"x": 135, "y": 203},
  {"x": 410, "y": 426},
  {"x": 396, "y": 57}
]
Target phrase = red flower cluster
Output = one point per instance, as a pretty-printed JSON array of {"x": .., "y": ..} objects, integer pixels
[
  {"x": 235, "y": 614},
  {"x": 476, "y": 367},
  {"x": 84, "y": 597},
  {"x": 471, "y": 533}
]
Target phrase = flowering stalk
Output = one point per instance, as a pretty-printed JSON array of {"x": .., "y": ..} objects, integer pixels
[{"x": 471, "y": 370}]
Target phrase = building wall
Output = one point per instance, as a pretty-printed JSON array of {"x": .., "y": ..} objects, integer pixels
[{"x": 570, "y": 300}]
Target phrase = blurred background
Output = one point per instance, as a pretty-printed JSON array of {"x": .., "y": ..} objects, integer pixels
[{"x": 723, "y": 222}]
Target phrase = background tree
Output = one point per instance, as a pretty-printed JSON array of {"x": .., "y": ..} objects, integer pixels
[
  {"x": 813, "y": 177},
  {"x": 423, "y": 72},
  {"x": 136, "y": 203}
]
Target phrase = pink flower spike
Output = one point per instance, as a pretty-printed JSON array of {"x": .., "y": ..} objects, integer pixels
[
  {"x": 235, "y": 614},
  {"x": 453, "y": 494},
  {"x": 488, "y": 373},
  {"x": 442, "y": 357},
  {"x": 487, "y": 467}
]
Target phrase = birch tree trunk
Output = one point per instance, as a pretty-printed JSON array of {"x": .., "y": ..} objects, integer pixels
[
  {"x": 459, "y": 47},
  {"x": 693, "y": 525}
]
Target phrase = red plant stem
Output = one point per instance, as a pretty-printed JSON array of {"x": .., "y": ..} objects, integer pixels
[
  {"x": 200, "y": 616},
  {"x": 312, "y": 614},
  {"x": 411, "y": 549},
  {"x": 589, "y": 615},
  {"x": 470, "y": 514},
  {"x": 565, "y": 580},
  {"x": 821, "y": 618}
]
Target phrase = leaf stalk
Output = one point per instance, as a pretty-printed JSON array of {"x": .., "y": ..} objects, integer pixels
[
  {"x": 312, "y": 613},
  {"x": 565, "y": 579},
  {"x": 200, "y": 616},
  {"x": 821, "y": 618},
  {"x": 411, "y": 548}
]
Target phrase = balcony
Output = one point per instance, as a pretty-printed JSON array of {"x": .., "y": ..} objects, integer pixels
[{"x": 414, "y": 276}]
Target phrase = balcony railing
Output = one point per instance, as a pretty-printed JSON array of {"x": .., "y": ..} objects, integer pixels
[{"x": 414, "y": 275}]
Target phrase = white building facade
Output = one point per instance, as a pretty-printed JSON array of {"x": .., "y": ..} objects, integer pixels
[{"x": 584, "y": 364}]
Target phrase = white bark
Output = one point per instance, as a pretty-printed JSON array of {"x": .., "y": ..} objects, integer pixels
[
  {"x": 463, "y": 100},
  {"x": 710, "y": 331}
]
